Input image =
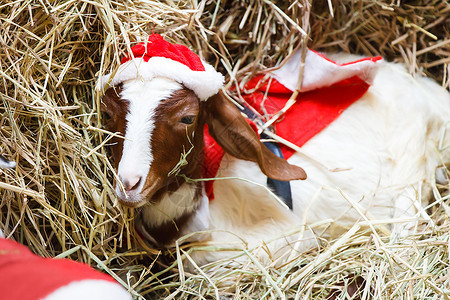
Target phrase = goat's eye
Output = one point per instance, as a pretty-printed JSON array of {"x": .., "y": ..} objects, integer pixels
[
  {"x": 106, "y": 116},
  {"x": 188, "y": 120}
]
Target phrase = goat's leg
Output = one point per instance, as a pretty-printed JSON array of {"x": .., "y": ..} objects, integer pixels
[{"x": 408, "y": 207}]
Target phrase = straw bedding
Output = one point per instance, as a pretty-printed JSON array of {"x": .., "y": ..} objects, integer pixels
[{"x": 60, "y": 201}]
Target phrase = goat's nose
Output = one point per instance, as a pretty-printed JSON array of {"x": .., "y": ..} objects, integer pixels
[{"x": 131, "y": 182}]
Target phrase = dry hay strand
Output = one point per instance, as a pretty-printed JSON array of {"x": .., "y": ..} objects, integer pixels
[{"x": 60, "y": 200}]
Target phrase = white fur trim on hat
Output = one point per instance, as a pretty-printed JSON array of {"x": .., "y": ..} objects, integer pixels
[{"x": 203, "y": 83}]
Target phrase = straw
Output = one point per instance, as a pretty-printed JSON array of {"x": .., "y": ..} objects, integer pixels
[{"x": 60, "y": 199}]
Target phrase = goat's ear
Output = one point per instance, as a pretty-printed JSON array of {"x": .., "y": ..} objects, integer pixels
[{"x": 232, "y": 132}]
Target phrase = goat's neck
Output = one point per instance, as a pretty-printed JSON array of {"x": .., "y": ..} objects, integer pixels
[
  {"x": 179, "y": 208},
  {"x": 165, "y": 220}
]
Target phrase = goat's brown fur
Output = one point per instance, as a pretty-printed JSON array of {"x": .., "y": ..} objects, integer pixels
[{"x": 115, "y": 110}]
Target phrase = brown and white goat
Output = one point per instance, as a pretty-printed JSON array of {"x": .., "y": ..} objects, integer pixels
[{"x": 385, "y": 146}]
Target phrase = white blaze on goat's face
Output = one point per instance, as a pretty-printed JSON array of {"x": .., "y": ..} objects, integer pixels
[{"x": 143, "y": 98}]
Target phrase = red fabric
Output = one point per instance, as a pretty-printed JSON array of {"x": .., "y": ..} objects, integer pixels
[
  {"x": 372, "y": 59},
  {"x": 213, "y": 155},
  {"x": 313, "y": 111},
  {"x": 26, "y": 276},
  {"x": 158, "y": 47}
]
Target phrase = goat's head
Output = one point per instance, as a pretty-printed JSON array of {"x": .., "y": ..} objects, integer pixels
[
  {"x": 162, "y": 98},
  {"x": 162, "y": 123}
]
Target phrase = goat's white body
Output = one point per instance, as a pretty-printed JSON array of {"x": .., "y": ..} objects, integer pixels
[{"x": 379, "y": 155}]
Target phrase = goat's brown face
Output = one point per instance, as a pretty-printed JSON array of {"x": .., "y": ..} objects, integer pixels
[
  {"x": 159, "y": 121},
  {"x": 162, "y": 123}
]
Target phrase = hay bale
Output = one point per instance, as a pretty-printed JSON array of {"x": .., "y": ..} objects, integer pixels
[{"x": 60, "y": 201}]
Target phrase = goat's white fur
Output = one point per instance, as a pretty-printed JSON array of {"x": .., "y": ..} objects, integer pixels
[
  {"x": 143, "y": 98},
  {"x": 384, "y": 147},
  {"x": 172, "y": 205}
]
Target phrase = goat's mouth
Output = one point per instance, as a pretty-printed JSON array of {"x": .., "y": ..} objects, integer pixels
[
  {"x": 135, "y": 199},
  {"x": 132, "y": 203}
]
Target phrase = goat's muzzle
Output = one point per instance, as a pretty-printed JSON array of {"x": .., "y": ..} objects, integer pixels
[{"x": 138, "y": 197}]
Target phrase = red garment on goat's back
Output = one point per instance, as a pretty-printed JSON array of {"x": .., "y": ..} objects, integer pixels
[
  {"x": 26, "y": 276},
  {"x": 313, "y": 111}
]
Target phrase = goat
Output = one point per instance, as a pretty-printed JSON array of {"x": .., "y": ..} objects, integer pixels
[{"x": 384, "y": 146}]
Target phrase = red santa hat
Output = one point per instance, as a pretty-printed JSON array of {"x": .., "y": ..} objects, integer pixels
[
  {"x": 26, "y": 276},
  {"x": 159, "y": 58}
]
